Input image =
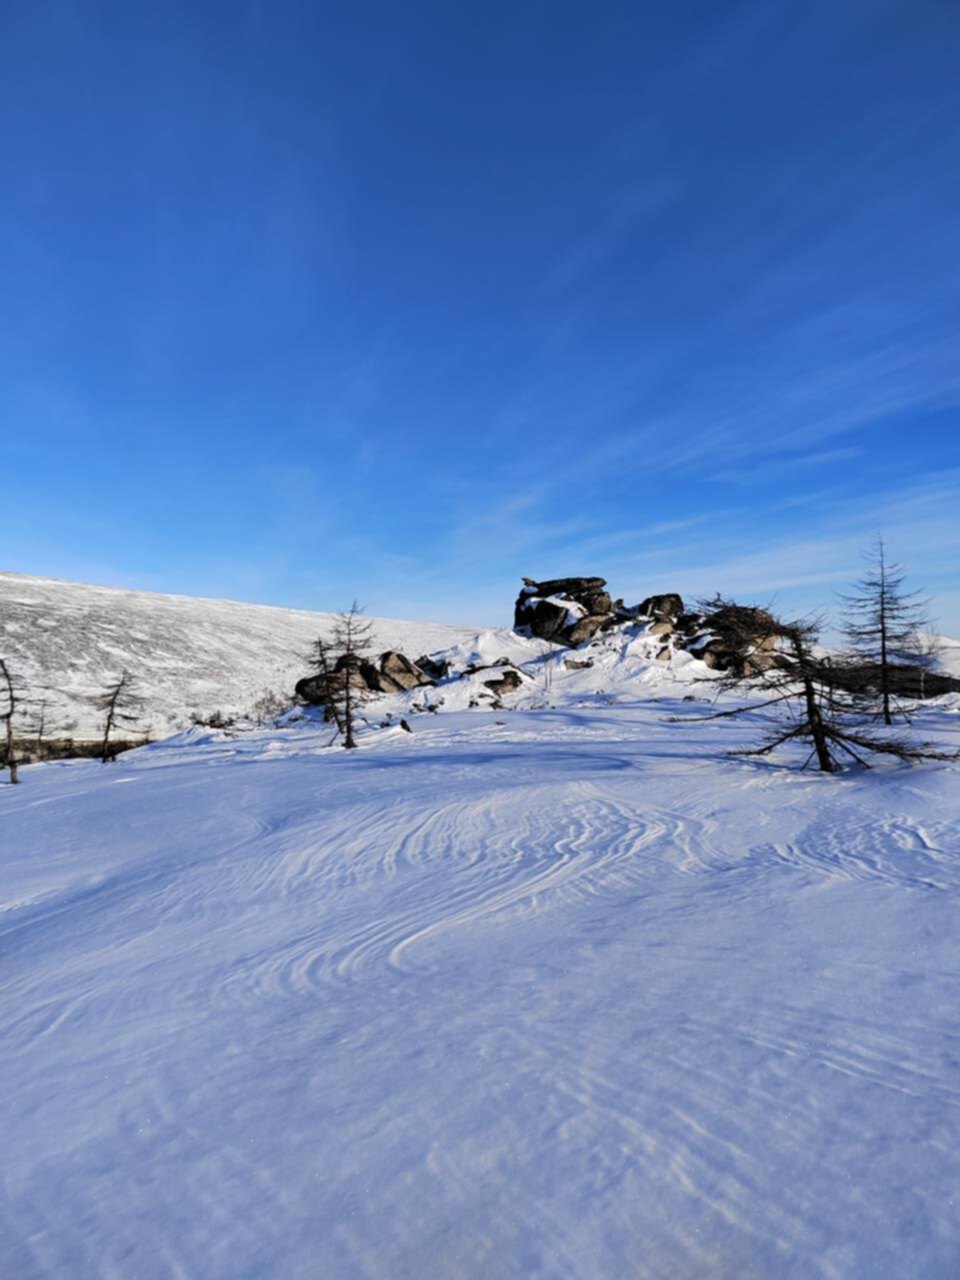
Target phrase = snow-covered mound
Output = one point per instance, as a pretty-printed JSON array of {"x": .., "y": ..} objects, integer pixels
[
  {"x": 189, "y": 655},
  {"x": 946, "y": 654},
  {"x": 620, "y": 665},
  {"x": 563, "y": 994}
]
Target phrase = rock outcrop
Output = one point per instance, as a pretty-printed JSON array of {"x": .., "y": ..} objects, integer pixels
[
  {"x": 394, "y": 672},
  {"x": 566, "y": 611},
  {"x": 724, "y": 636}
]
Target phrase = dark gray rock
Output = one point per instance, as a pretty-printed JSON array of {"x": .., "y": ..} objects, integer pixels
[
  {"x": 394, "y": 674},
  {"x": 583, "y": 629},
  {"x": 540, "y": 609},
  {"x": 544, "y": 618},
  {"x": 405, "y": 674},
  {"x": 507, "y": 681},
  {"x": 717, "y": 655},
  {"x": 669, "y": 606},
  {"x": 436, "y": 668},
  {"x": 572, "y": 587}
]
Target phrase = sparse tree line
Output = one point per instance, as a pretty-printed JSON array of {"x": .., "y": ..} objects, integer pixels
[
  {"x": 119, "y": 704},
  {"x": 24, "y": 720},
  {"x": 26, "y": 733}
]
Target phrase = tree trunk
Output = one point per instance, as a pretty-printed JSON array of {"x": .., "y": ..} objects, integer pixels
[
  {"x": 348, "y": 708},
  {"x": 815, "y": 721},
  {"x": 105, "y": 745},
  {"x": 11, "y": 758},
  {"x": 884, "y": 665}
]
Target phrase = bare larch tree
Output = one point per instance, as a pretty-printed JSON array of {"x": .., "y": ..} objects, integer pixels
[
  {"x": 352, "y": 634},
  {"x": 338, "y": 665},
  {"x": 321, "y": 661},
  {"x": 811, "y": 698},
  {"x": 883, "y": 624},
  {"x": 8, "y": 705},
  {"x": 121, "y": 706}
]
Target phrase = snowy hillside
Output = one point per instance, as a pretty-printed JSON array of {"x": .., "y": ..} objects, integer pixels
[
  {"x": 559, "y": 993},
  {"x": 947, "y": 654},
  {"x": 190, "y": 655}
]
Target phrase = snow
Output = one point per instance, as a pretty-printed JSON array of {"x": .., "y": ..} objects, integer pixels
[
  {"x": 947, "y": 654},
  {"x": 561, "y": 992},
  {"x": 189, "y": 655}
]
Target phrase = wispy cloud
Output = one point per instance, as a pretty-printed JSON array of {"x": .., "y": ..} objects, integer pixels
[{"x": 775, "y": 467}]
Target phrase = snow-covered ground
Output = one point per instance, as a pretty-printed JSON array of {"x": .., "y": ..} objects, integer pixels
[
  {"x": 547, "y": 993},
  {"x": 67, "y": 641}
]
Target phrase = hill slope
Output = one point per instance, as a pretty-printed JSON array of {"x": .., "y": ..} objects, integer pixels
[{"x": 190, "y": 655}]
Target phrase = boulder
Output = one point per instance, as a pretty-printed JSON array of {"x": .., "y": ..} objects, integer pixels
[
  {"x": 584, "y": 629},
  {"x": 716, "y": 655},
  {"x": 544, "y": 618},
  {"x": 564, "y": 610},
  {"x": 375, "y": 680},
  {"x": 436, "y": 668},
  {"x": 666, "y": 606},
  {"x": 402, "y": 672},
  {"x": 308, "y": 690},
  {"x": 394, "y": 674},
  {"x": 662, "y": 628},
  {"x": 573, "y": 587},
  {"x": 313, "y": 689},
  {"x": 759, "y": 661},
  {"x": 596, "y": 601},
  {"x": 507, "y": 681}
]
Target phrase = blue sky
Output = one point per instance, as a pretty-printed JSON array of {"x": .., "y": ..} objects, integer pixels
[{"x": 305, "y": 301}]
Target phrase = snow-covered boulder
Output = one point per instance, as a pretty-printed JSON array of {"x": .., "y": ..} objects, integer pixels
[
  {"x": 567, "y": 610},
  {"x": 668, "y": 607},
  {"x": 394, "y": 674}
]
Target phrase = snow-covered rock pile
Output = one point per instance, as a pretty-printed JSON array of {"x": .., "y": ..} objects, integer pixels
[
  {"x": 573, "y": 611},
  {"x": 393, "y": 673},
  {"x": 566, "y": 610}
]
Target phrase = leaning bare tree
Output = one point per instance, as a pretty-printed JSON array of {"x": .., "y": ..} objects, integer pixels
[
  {"x": 8, "y": 705},
  {"x": 121, "y": 706},
  {"x": 883, "y": 624},
  {"x": 807, "y": 697}
]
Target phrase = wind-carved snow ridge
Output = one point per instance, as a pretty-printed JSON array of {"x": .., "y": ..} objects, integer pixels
[{"x": 562, "y": 992}]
